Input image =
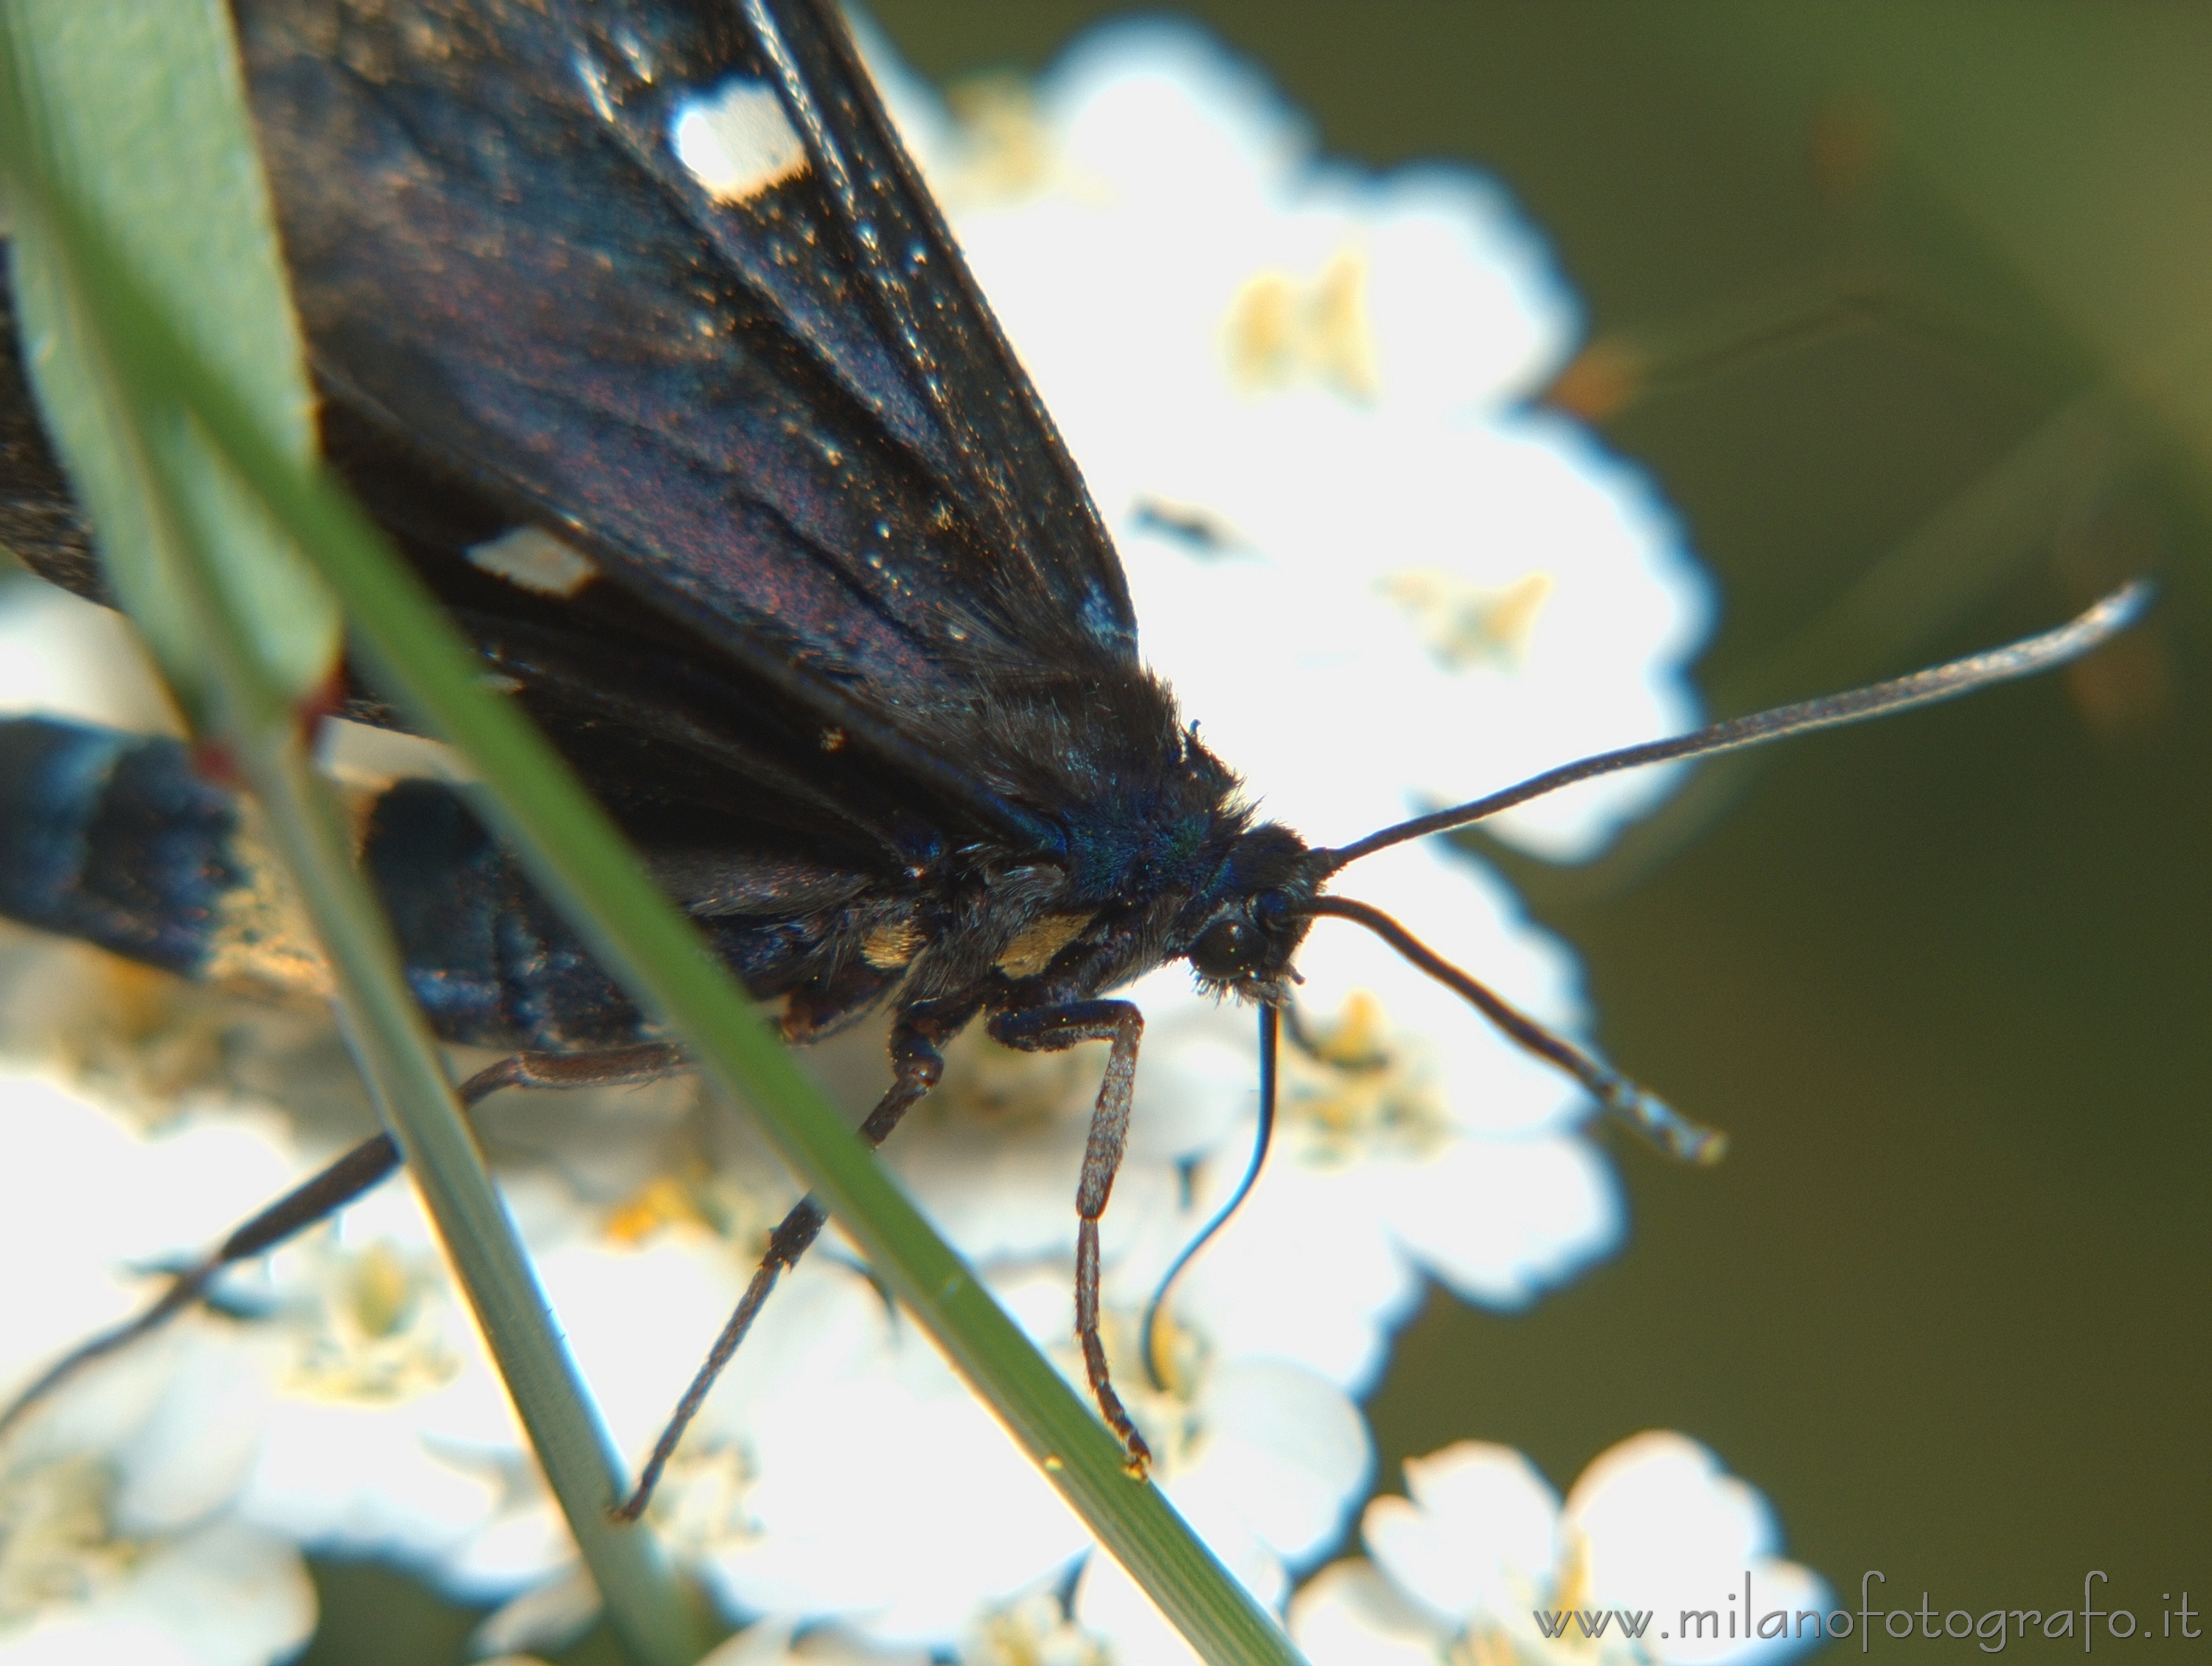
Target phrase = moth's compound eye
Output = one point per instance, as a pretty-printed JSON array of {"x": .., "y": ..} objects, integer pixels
[{"x": 1225, "y": 948}]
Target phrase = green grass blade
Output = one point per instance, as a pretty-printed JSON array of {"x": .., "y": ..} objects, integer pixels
[{"x": 140, "y": 116}]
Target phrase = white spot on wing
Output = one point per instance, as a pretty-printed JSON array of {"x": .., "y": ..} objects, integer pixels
[
  {"x": 536, "y": 560},
  {"x": 370, "y": 759},
  {"x": 736, "y": 141}
]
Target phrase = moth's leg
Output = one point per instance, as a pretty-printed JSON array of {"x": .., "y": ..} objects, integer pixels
[
  {"x": 1047, "y": 1030},
  {"x": 338, "y": 1185},
  {"x": 611, "y": 1066},
  {"x": 915, "y": 1067}
]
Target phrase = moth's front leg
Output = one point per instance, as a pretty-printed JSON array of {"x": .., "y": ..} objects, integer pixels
[
  {"x": 1049, "y": 1030},
  {"x": 915, "y": 1067}
]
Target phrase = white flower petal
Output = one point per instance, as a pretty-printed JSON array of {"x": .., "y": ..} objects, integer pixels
[
  {"x": 1601, "y": 669},
  {"x": 1481, "y": 1529},
  {"x": 228, "y": 1593},
  {"x": 196, "y": 1448},
  {"x": 357, "y": 1480},
  {"x": 1660, "y": 1504},
  {"x": 1501, "y": 1221},
  {"x": 150, "y": 1202},
  {"x": 1348, "y": 1614},
  {"x": 222, "y": 1595},
  {"x": 1666, "y": 1527},
  {"x": 770, "y": 1643},
  {"x": 63, "y": 656},
  {"x": 549, "y": 1616},
  {"x": 1285, "y": 1449},
  {"x": 954, "y": 1516},
  {"x": 1158, "y": 112},
  {"x": 519, "y": 1550},
  {"x": 1468, "y": 309},
  {"x": 641, "y": 1319},
  {"x": 57, "y": 1142},
  {"x": 1305, "y": 1272}
]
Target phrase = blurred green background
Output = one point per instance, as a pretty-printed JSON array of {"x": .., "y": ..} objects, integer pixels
[{"x": 1905, "y": 307}]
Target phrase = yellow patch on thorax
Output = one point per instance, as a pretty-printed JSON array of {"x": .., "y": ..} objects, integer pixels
[
  {"x": 891, "y": 944},
  {"x": 1033, "y": 948}
]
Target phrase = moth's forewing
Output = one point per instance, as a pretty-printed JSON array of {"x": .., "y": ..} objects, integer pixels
[{"x": 761, "y": 394}]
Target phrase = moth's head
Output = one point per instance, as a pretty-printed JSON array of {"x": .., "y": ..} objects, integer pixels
[{"x": 1243, "y": 933}]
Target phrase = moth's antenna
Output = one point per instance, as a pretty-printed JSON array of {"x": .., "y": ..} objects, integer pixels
[
  {"x": 1648, "y": 1114},
  {"x": 1922, "y": 688},
  {"x": 1270, "y": 1044}
]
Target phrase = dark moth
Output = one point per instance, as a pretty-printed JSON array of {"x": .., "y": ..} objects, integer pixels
[{"x": 637, "y": 330}]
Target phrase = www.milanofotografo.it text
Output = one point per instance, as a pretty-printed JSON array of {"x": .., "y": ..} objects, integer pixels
[{"x": 1988, "y": 1629}]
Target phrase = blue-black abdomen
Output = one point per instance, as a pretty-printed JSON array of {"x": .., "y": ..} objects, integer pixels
[
  {"x": 114, "y": 839},
  {"x": 117, "y": 840}
]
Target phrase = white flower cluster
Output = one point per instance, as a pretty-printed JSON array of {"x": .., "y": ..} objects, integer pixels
[
  {"x": 1382, "y": 581},
  {"x": 1646, "y": 1560}
]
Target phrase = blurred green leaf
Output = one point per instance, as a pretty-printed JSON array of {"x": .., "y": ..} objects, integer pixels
[{"x": 142, "y": 118}]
